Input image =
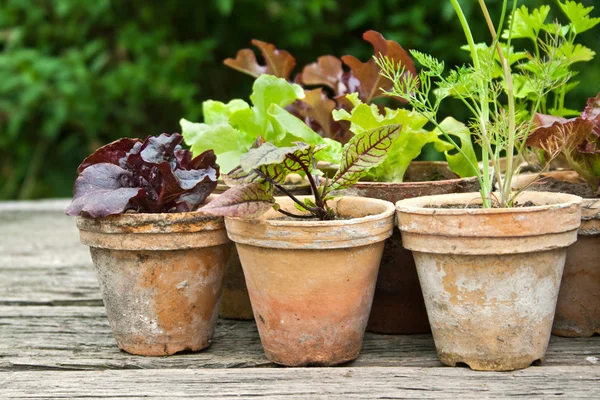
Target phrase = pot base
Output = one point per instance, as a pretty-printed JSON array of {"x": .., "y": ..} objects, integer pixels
[{"x": 477, "y": 363}]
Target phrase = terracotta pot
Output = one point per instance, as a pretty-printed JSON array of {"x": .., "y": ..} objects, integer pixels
[
  {"x": 578, "y": 307},
  {"x": 398, "y": 306},
  {"x": 311, "y": 283},
  {"x": 490, "y": 277},
  {"x": 236, "y": 302},
  {"x": 161, "y": 277}
]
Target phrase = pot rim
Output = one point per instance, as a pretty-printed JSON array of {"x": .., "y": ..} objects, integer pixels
[
  {"x": 293, "y": 234},
  {"x": 416, "y": 205},
  {"x": 389, "y": 210},
  {"x": 392, "y": 184}
]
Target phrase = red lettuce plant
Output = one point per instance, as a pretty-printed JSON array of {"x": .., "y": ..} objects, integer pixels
[
  {"x": 151, "y": 176},
  {"x": 315, "y": 109},
  {"x": 578, "y": 139}
]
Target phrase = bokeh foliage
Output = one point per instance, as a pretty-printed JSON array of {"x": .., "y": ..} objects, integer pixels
[{"x": 76, "y": 74}]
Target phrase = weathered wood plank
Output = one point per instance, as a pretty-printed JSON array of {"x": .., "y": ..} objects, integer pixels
[
  {"x": 314, "y": 383},
  {"x": 43, "y": 238},
  {"x": 80, "y": 338}
]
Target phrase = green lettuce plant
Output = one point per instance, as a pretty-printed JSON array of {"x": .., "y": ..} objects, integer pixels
[
  {"x": 492, "y": 90},
  {"x": 342, "y": 105},
  {"x": 414, "y": 137},
  {"x": 230, "y": 129},
  {"x": 265, "y": 167}
]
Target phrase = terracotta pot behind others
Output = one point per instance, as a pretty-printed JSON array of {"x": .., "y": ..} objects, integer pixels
[{"x": 398, "y": 306}]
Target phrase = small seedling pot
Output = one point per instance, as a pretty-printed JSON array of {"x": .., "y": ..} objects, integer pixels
[
  {"x": 490, "y": 277},
  {"x": 578, "y": 307},
  {"x": 236, "y": 302},
  {"x": 161, "y": 277},
  {"x": 398, "y": 306},
  {"x": 311, "y": 283}
]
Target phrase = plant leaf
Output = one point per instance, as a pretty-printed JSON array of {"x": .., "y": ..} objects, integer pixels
[
  {"x": 269, "y": 154},
  {"x": 245, "y": 62},
  {"x": 110, "y": 153},
  {"x": 404, "y": 149},
  {"x": 279, "y": 63},
  {"x": 368, "y": 74},
  {"x": 327, "y": 71},
  {"x": 154, "y": 176},
  {"x": 246, "y": 201},
  {"x": 103, "y": 189},
  {"x": 575, "y": 53},
  {"x": 592, "y": 109},
  {"x": 526, "y": 25},
  {"x": 363, "y": 152},
  {"x": 240, "y": 177},
  {"x": 578, "y": 14},
  {"x": 463, "y": 164}
]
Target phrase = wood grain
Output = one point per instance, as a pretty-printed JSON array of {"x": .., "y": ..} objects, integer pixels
[{"x": 55, "y": 342}]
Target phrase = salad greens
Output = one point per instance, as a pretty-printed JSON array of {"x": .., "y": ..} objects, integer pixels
[
  {"x": 578, "y": 139},
  {"x": 497, "y": 74},
  {"x": 408, "y": 146},
  {"x": 231, "y": 129},
  {"x": 265, "y": 166},
  {"x": 152, "y": 176}
]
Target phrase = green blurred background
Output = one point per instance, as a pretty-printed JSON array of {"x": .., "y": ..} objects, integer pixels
[{"x": 76, "y": 74}]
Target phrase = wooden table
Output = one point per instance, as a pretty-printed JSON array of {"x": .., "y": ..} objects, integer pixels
[{"x": 55, "y": 341}]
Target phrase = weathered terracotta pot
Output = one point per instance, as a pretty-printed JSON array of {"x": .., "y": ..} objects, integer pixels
[
  {"x": 311, "y": 283},
  {"x": 490, "y": 277},
  {"x": 161, "y": 277},
  {"x": 236, "y": 302},
  {"x": 398, "y": 306},
  {"x": 578, "y": 307}
]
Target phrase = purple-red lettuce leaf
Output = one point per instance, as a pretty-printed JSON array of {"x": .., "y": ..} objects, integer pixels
[
  {"x": 104, "y": 189},
  {"x": 153, "y": 176},
  {"x": 110, "y": 153},
  {"x": 372, "y": 84},
  {"x": 247, "y": 201},
  {"x": 277, "y": 62},
  {"x": 578, "y": 139}
]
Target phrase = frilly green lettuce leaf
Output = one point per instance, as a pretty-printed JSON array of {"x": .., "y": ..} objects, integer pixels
[
  {"x": 230, "y": 129},
  {"x": 463, "y": 163},
  {"x": 404, "y": 149}
]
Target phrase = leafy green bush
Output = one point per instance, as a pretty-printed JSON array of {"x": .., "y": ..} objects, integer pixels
[{"x": 76, "y": 74}]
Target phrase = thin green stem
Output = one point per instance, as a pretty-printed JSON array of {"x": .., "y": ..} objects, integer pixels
[{"x": 486, "y": 187}]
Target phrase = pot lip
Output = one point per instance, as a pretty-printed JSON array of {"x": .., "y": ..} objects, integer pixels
[
  {"x": 149, "y": 218},
  {"x": 417, "y": 183},
  {"x": 589, "y": 201},
  {"x": 415, "y": 205},
  {"x": 389, "y": 210},
  {"x": 191, "y": 221}
]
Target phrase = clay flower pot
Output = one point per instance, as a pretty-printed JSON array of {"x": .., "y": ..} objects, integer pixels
[
  {"x": 490, "y": 277},
  {"x": 236, "y": 302},
  {"x": 578, "y": 307},
  {"x": 398, "y": 306},
  {"x": 311, "y": 283},
  {"x": 161, "y": 277}
]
